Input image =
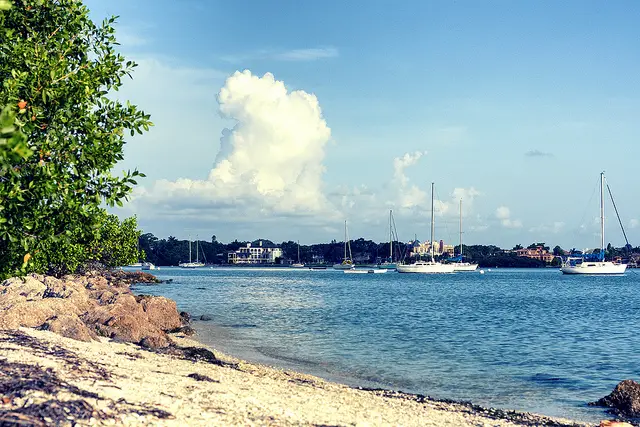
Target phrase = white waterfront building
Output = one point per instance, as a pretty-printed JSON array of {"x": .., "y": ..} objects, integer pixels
[{"x": 260, "y": 254}]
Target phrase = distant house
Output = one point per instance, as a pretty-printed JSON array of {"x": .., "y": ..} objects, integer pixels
[
  {"x": 260, "y": 254},
  {"x": 418, "y": 249},
  {"x": 538, "y": 252}
]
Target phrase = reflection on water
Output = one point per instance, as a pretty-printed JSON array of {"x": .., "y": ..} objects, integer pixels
[{"x": 531, "y": 340}]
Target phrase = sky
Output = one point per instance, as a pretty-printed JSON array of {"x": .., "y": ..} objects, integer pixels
[{"x": 283, "y": 119}]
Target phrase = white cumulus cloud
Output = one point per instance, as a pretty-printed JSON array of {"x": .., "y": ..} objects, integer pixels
[
  {"x": 409, "y": 197},
  {"x": 503, "y": 213},
  {"x": 401, "y": 163},
  {"x": 271, "y": 161}
]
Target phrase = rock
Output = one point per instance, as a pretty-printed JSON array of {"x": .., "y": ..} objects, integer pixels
[
  {"x": 7, "y": 323},
  {"x": 205, "y": 317},
  {"x": 187, "y": 330},
  {"x": 162, "y": 312},
  {"x": 199, "y": 354},
  {"x": 104, "y": 297},
  {"x": 33, "y": 314},
  {"x": 625, "y": 399},
  {"x": 97, "y": 282},
  {"x": 124, "y": 319},
  {"x": 85, "y": 306},
  {"x": 609, "y": 423},
  {"x": 155, "y": 341},
  {"x": 70, "y": 326},
  {"x": 135, "y": 319},
  {"x": 29, "y": 287},
  {"x": 132, "y": 277},
  {"x": 9, "y": 299},
  {"x": 68, "y": 289},
  {"x": 185, "y": 317}
]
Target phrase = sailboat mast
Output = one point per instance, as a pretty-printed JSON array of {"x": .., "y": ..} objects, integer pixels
[
  {"x": 390, "y": 238},
  {"x": 189, "y": 247},
  {"x": 348, "y": 241},
  {"x": 345, "y": 239},
  {"x": 460, "y": 228},
  {"x": 602, "y": 213},
  {"x": 298, "y": 251},
  {"x": 433, "y": 224}
]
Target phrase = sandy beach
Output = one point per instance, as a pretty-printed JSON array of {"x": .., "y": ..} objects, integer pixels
[{"x": 69, "y": 382}]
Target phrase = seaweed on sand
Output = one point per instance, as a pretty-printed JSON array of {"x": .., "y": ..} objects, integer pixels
[
  {"x": 42, "y": 348},
  {"x": 195, "y": 354},
  {"x": 18, "y": 381}
]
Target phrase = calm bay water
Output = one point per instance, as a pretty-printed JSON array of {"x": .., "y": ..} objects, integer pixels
[{"x": 532, "y": 340}]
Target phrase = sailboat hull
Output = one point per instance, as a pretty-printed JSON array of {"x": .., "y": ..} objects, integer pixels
[
  {"x": 605, "y": 267},
  {"x": 425, "y": 267},
  {"x": 191, "y": 265},
  {"x": 388, "y": 265},
  {"x": 343, "y": 266},
  {"x": 464, "y": 266}
]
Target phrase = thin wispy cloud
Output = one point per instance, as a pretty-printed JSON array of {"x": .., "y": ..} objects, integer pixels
[
  {"x": 307, "y": 54},
  {"x": 293, "y": 55},
  {"x": 537, "y": 153},
  {"x": 555, "y": 228},
  {"x": 129, "y": 37}
]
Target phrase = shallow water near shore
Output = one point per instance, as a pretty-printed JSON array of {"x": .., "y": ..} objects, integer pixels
[{"x": 530, "y": 340}]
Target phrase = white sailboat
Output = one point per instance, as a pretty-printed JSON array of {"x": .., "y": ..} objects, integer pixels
[
  {"x": 594, "y": 265},
  {"x": 298, "y": 264},
  {"x": 366, "y": 271},
  {"x": 431, "y": 266},
  {"x": 389, "y": 264},
  {"x": 460, "y": 264},
  {"x": 192, "y": 264},
  {"x": 347, "y": 262},
  {"x": 147, "y": 266}
]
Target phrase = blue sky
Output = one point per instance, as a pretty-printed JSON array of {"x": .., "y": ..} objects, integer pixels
[{"x": 518, "y": 106}]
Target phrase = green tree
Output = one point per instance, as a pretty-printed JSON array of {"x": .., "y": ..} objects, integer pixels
[
  {"x": 110, "y": 243},
  {"x": 535, "y": 245},
  {"x": 13, "y": 145},
  {"x": 56, "y": 69},
  {"x": 558, "y": 251}
]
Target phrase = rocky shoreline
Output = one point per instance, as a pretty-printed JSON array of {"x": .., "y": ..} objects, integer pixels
[{"x": 84, "y": 350}]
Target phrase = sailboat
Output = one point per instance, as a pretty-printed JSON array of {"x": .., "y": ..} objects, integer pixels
[
  {"x": 147, "y": 266},
  {"x": 298, "y": 264},
  {"x": 431, "y": 266},
  {"x": 389, "y": 264},
  {"x": 347, "y": 262},
  {"x": 594, "y": 263},
  {"x": 460, "y": 264},
  {"x": 192, "y": 264}
]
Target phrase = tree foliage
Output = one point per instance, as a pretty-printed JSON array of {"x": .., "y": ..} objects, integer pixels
[{"x": 57, "y": 68}]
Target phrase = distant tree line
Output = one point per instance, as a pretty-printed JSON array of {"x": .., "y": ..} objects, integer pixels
[{"x": 172, "y": 251}]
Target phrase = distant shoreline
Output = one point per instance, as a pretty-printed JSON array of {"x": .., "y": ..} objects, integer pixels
[{"x": 308, "y": 266}]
